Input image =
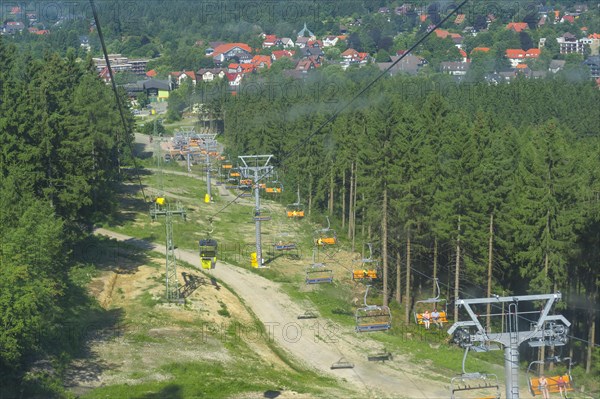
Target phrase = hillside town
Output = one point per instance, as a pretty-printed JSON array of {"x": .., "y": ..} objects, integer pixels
[{"x": 305, "y": 52}]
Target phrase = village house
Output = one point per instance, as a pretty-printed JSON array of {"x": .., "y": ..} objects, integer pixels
[{"x": 517, "y": 56}]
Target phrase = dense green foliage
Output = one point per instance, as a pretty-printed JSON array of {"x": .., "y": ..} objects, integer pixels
[
  {"x": 451, "y": 160},
  {"x": 60, "y": 139}
]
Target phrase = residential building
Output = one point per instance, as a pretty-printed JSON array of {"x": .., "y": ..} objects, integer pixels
[
  {"x": 556, "y": 65},
  {"x": 225, "y": 52},
  {"x": 410, "y": 65},
  {"x": 517, "y": 26},
  {"x": 330, "y": 41},
  {"x": 210, "y": 74},
  {"x": 516, "y": 56},
  {"x": 179, "y": 77},
  {"x": 455, "y": 68},
  {"x": 568, "y": 43},
  {"x": 593, "y": 62},
  {"x": 119, "y": 63}
]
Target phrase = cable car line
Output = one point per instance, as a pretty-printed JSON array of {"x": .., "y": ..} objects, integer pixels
[
  {"x": 128, "y": 133},
  {"x": 337, "y": 112}
]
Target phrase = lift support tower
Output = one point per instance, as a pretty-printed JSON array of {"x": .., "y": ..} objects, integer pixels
[
  {"x": 257, "y": 168},
  {"x": 161, "y": 208},
  {"x": 548, "y": 330}
]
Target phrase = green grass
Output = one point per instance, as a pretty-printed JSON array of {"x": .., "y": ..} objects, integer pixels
[
  {"x": 214, "y": 380},
  {"x": 233, "y": 229}
]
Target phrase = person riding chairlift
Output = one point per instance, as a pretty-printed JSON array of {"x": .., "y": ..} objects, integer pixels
[{"x": 426, "y": 319}]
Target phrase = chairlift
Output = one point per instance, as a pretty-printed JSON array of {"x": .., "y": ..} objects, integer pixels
[
  {"x": 421, "y": 306},
  {"x": 373, "y": 317},
  {"x": 318, "y": 273},
  {"x": 295, "y": 210},
  {"x": 326, "y": 236},
  {"x": 380, "y": 356},
  {"x": 273, "y": 187},
  {"x": 342, "y": 363},
  {"x": 284, "y": 246},
  {"x": 208, "y": 251},
  {"x": 553, "y": 381},
  {"x": 368, "y": 267},
  {"x": 484, "y": 384},
  {"x": 262, "y": 215},
  {"x": 309, "y": 314},
  {"x": 246, "y": 191},
  {"x": 227, "y": 165}
]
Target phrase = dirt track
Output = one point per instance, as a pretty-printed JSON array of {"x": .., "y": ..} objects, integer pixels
[{"x": 314, "y": 342}]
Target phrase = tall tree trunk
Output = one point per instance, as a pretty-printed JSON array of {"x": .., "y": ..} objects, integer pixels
[
  {"x": 489, "y": 272},
  {"x": 350, "y": 205},
  {"x": 384, "y": 246},
  {"x": 354, "y": 207},
  {"x": 542, "y": 351},
  {"x": 344, "y": 198},
  {"x": 398, "y": 278},
  {"x": 331, "y": 184},
  {"x": 435, "y": 259},
  {"x": 309, "y": 193},
  {"x": 457, "y": 273},
  {"x": 592, "y": 330},
  {"x": 408, "y": 267},
  {"x": 362, "y": 221}
]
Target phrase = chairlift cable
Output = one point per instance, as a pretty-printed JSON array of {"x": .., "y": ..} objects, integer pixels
[
  {"x": 340, "y": 109},
  {"x": 128, "y": 133}
]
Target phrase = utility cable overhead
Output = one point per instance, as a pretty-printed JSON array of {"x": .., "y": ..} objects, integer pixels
[
  {"x": 340, "y": 109},
  {"x": 128, "y": 133}
]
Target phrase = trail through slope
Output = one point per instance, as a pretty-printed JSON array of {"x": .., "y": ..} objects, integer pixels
[{"x": 315, "y": 343}]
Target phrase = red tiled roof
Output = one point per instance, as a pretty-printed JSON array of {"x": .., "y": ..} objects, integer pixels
[
  {"x": 223, "y": 48},
  {"x": 463, "y": 53},
  {"x": 283, "y": 53},
  {"x": 350, "y": 53},
  {"x": 151, "y": 73},
  {"x": 518, "y": 53},
  {"x": 423, "y": 17},
  {"x": 517, "y": 26},
  {"x": 482, "y": 49},
  {"x": 442, "y": 34},
  {"x": 594, "y": 36},
  {"x": 569, "y": 18},
  {"x": 521, "y": 66},
  {"x": 260, "y": 59}
]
